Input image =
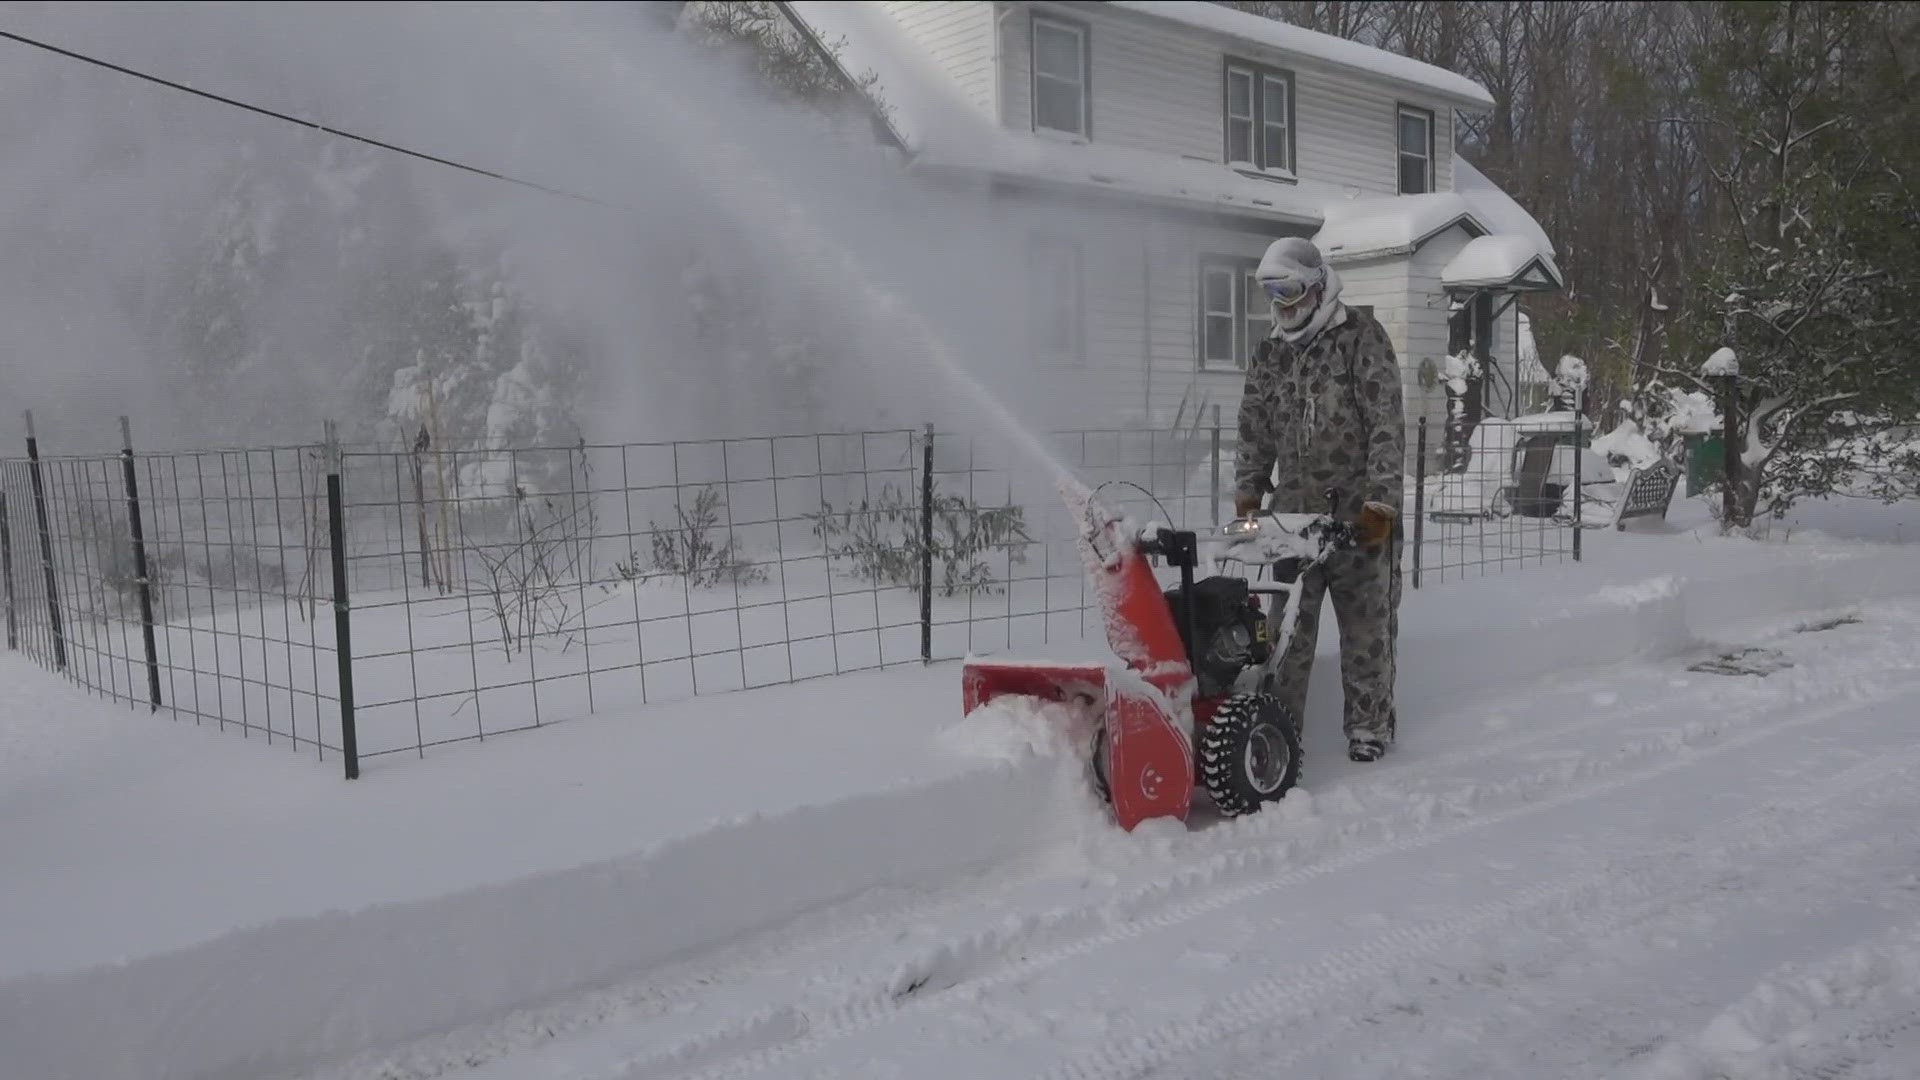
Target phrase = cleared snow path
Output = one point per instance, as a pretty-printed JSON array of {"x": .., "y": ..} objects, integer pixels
[{"x": 1579, "y": 877}]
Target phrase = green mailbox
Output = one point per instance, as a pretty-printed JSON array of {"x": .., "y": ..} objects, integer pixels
[{"x": 1706, "y": 462}]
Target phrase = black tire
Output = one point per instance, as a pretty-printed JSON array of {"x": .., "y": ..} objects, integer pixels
[
  {"x": 1097, "y": 761},
  {"x": 1241, "y": 754}
]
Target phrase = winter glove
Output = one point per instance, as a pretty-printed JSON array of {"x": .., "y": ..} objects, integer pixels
[
  {"x": 1244, "y": 505},
  {"x": 1376, "y": 524}
]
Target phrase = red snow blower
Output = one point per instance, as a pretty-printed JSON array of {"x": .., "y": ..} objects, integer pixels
[{"x": 1195, "y": 693}]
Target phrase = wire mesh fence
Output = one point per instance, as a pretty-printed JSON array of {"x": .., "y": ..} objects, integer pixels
[
  {"x": 368, "y": 602},
  {"x": 185, "y": 581}
]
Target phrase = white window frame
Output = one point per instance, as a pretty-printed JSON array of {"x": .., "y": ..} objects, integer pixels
[
  {"x": 1259, "y": 78},
  {"x": 1401, "y": 154},
  {"x": 1246, "y": 307},
  {"x": 1047, "y": 254},
  {"x": 1082, "y": 35}
]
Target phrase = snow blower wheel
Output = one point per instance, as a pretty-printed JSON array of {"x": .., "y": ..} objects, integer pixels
[
  {"x": 1249, "y": 754},
  {"x": 1098, "y": 761}
]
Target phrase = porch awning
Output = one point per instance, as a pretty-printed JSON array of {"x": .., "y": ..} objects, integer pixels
[{"x": 1507, "y": 262}]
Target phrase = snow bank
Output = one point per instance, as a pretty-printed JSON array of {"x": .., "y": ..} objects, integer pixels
[
  {"x": 251, "y": 1003},
  {"x": 1449, "y": 648}
]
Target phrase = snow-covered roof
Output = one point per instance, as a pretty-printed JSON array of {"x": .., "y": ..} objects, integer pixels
[
  {"x": 1142, "y": 175},
  {"x": 1314, "y": 45},
  {"x": 923, "y": 105},
  {"x": 1381, "y": 225},
  {"x": 1505, "y": 259},
  {"x": 943, "y": 130}
]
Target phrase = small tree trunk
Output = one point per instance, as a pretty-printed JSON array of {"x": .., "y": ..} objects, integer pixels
[{"x": 1740, "y": 494}]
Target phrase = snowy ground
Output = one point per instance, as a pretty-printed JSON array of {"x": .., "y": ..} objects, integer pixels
[{"x": 1583, "y": 859}]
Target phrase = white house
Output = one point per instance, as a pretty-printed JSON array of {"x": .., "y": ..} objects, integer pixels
[{"x": 1186, "y": 137}]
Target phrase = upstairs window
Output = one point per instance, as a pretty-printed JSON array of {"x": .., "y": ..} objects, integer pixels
[
  {"x": 1234, "y": 313},
  {"x": 1060, "y": 82},
  {"x": 1259, "y": 118},
  {"x": 1416, "y": 151}
]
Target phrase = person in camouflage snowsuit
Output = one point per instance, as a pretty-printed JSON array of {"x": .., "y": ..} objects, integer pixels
[{"x": 1322, "y": 410}]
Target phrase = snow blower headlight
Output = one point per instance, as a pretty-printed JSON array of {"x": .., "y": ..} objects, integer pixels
[{"x": 1240, "y": 528}]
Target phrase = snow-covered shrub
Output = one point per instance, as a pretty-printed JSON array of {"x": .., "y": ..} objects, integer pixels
[
  {"x": 531, "y": 584},
  {"x": 884, "y": 540},
  {"x": 692, "y": 548}
]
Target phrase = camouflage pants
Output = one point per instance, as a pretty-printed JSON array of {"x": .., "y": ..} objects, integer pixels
[{"x": 1366, "y": 602}]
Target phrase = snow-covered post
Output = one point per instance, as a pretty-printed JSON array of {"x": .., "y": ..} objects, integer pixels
[
  {"x": 342, "y": 611},
  {"x": 139, "y": 537},
  {"x": 1579, "y": 455},
  {"x": 1213, "y": 493},
  {"x": 1722, "y": 369},
  {"x": 46, "y": 545},
  {"x": 1419, "y": 497},
  {"x": 6, "y": 568},
  {"x": 926, "y": 547}
]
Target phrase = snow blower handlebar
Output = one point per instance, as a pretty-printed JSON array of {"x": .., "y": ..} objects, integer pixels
[
  {"x": 1181, "y": 548},
  {"x": 1265, "y": 538}
]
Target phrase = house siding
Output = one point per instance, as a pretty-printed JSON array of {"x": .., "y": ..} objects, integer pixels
[
  {"x": 1159, "y": 88},
  {"x": 958, "y": 35},
  {"x": 1142, "y": 325}
]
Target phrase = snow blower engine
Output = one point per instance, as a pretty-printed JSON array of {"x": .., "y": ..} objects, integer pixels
[{"x": 1193, "y": 697}]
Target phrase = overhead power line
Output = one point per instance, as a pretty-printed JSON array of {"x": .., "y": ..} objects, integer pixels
[{"x": 308, "y": 124}]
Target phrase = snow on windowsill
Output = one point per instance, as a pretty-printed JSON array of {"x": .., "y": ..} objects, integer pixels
[
  {"x": 1067, "y": 138},
  {"x": 1278, "y": 176}
]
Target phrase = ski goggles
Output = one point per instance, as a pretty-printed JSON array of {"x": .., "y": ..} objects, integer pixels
[{"x": 1287, "y": 292}]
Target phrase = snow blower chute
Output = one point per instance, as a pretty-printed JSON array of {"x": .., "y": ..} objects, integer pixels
[{"x": 1192, "y": 699}]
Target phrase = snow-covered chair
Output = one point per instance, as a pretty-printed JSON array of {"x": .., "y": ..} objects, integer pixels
[{"x": 1648, "y": 492}]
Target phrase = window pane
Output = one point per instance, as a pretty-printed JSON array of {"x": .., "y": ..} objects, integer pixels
[
  {"x": 1056, "y": 105},
  {"x": 1240, "y": 94},
  {"x": 1219, "y": 292},
  {"x": 1259, "y": 316},
  {"x": 1240, "y": 140},
  {"x": 1258, "y": 330},
  {"x": 1219, "y": 345},
  {"x": 1273, "y": 147},
  {"x": 1273, "y": 101},
  {"x": 1056, "y": 51},
  {"x": 1413, "y": 134},
  {"x": 1413, "y": 175}
]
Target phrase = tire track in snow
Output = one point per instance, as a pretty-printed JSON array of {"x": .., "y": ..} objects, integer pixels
[
  {"x": 1532, "y": 797},
  {"x": 1626, "y": 902},
  {"x": 1228, "y": 847}
]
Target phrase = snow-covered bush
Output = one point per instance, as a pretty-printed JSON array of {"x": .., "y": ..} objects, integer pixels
[
  {"x": 695, "y": 549},
  {"x": 884, "y": 539}
]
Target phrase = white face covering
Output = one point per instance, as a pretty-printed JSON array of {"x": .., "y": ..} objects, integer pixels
[
  {"x": 1321, "y": 309},
  {"x": 1295, "y": 317}
]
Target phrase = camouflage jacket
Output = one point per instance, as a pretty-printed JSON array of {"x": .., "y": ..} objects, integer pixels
[{"x": 1328, "y": 416}]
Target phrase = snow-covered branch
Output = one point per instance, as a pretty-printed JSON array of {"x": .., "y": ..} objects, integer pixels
[
  {"x": 1758, "y": 451},
  {"x": 1816, "y": 129}
]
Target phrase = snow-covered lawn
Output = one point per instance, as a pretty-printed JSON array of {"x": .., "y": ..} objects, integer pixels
[{"x": 1582, "y": 859}]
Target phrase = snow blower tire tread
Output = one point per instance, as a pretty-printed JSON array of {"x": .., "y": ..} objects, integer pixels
[{"x": 1223, "y": 753}]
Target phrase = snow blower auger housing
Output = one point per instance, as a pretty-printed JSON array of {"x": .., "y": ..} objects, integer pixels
[{"x": 1192, "y": 700}]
